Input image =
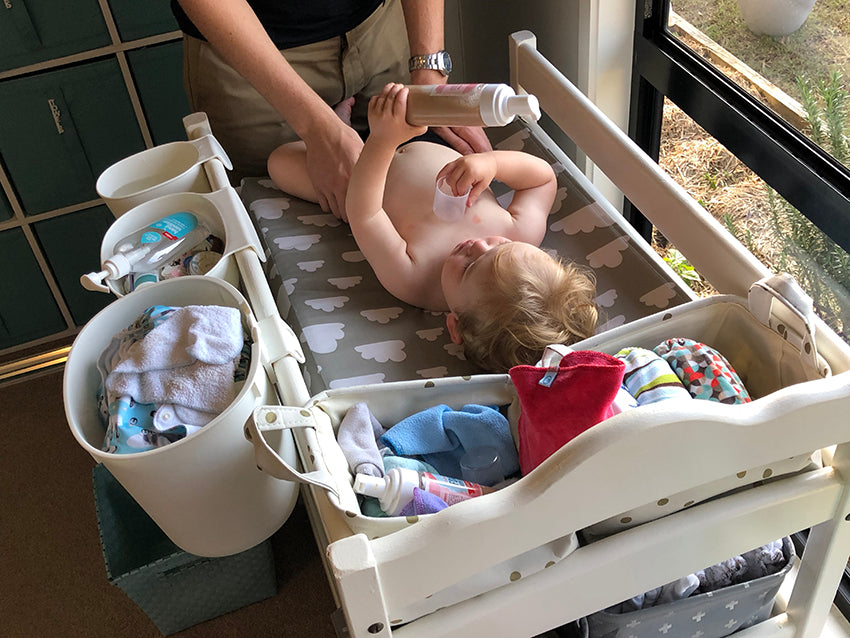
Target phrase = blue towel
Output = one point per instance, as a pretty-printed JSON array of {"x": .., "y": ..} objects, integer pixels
[{"x": 441, "y": 436}]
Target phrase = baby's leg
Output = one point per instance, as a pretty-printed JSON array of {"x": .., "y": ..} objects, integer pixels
[
  {"x": 287, "y": 164},
  {"x": 288, "y": 169}
]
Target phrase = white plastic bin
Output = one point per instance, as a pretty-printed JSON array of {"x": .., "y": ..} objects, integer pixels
[{"x": 205, "y": 491}]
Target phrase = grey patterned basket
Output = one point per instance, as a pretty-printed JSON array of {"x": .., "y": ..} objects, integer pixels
[
  {"x": 710, "y": 615},
  {"x": 174, "y": 588}
]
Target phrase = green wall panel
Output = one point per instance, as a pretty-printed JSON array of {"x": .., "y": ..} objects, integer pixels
[
  {"x": 27, "y": 308},
  {"x": 60, "y": 129},
  {"x": 158, "y": 74},
  {"x": 37, "y": 30},
  {"x": 69, "y": 260},
  {"x": 141, "y": 18}
]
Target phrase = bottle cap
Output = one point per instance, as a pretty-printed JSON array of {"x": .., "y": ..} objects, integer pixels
[
  {"x": 523, "y": 105},
  {"x": 369, "y": 485},
  {"x": 114, "y": 268}
]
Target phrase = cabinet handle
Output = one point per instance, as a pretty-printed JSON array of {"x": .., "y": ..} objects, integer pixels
[{"x": 63, "y": 123}]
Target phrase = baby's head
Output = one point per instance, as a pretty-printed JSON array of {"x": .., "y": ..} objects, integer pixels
[{"x": 508, "y": 300}]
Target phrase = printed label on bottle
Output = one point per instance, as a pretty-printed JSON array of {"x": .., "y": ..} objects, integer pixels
[
  {"x": 447, "y": 487},
  {"x": 150, "y": 237},
  {"x": 453, "y": 89},
  {"x": 174, "y": 226}
]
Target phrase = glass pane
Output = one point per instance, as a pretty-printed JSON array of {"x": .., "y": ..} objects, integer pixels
[
  {"x": 776, "y": 233},
  {"x": 792, "y": 56}
]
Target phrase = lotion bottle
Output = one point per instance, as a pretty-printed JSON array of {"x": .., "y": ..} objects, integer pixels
[
  {"x": 395, "y": 489},
  {"x": 467, "y": 105},
  {"x": 148, "y": 248}
]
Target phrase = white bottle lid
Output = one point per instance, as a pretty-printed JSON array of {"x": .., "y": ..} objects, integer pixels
[
  {"x": 500, "y": 105},
  {"x": 393, "y": 492},
  {"x": 114, "y": 268}
]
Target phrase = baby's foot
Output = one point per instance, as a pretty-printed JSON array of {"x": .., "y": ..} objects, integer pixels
[{"x": 343, "y": 110}]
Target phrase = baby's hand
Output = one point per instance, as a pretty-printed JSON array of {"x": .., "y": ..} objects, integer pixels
[
  {"x": 387, "y": 116},
  {"x": 471, "y": 172}
]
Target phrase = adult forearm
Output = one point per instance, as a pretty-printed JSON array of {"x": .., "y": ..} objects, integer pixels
[
  {"x": 424, "y": 20},
  {"x": 232, "y": 27}
]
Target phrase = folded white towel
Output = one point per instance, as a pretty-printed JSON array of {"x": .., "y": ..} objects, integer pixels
[
  {"x": 187, "y": 361},
  {"x": 210, "y": 334},
  {"x": 199, "y": 386}
]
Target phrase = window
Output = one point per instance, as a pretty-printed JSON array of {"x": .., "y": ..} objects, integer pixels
[{"x": 765, "y": 122}]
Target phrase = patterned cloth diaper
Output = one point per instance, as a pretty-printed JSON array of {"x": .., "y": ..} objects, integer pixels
[
  {"x": 703, "y": 371},
  {"x": 649, "y": 378}
]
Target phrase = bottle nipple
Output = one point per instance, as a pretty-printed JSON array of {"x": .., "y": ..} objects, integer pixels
[{"x": 523, "y": 105}]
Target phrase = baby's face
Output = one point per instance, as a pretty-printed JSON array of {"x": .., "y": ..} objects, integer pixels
[{"x": 469, "y": 267}]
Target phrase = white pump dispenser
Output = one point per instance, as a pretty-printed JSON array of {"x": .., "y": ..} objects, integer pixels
[
  {"x": 146, "y": 249},
  {"x": 468, "y": 105}
]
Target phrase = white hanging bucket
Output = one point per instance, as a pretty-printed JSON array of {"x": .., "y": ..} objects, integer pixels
[
  {"x": 204, "y": 491},
  {"x": 175, "y": 167}
]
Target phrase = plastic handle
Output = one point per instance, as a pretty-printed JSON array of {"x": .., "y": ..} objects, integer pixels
[
  {"x": 271, "y": 418},
  {"x": 209, "y": 148},
  {"x": 94, "y": 281},
  {"x": 782, "y": 305}
]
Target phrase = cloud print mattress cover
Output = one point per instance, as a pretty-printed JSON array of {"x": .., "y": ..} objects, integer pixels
[{"x": 354, "y": 332}]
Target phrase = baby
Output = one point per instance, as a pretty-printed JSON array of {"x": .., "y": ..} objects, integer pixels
[{"x": 506, "y": 298}]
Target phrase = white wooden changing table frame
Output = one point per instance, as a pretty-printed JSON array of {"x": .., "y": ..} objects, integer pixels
[{"x": 371, "y": 577}]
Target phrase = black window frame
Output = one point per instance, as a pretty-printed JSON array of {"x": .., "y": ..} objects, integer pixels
[{"x": 808, "y": 177}]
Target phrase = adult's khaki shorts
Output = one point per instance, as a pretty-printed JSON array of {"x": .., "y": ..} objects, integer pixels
[{"x": 357, "y": 64}]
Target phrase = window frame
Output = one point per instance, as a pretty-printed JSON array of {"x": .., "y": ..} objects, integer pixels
[{"x": 808, "y": 177}]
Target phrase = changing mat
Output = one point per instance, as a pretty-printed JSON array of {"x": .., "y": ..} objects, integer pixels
[{"x": 354, "y": 332}]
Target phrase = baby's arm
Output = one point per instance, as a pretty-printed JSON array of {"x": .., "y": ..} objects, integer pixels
[
  {"x": 373, "y": 230},
  {"x": 532, "y": 179}
]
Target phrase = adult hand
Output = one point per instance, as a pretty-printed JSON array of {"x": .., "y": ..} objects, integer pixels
[
  {"x": 331, "y": 155},
  {"x": 465, "y": 139}
]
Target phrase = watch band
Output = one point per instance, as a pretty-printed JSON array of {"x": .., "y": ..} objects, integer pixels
[{"x": 440, "y": 61}]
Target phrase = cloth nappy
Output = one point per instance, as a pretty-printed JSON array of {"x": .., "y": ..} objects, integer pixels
[
  {"x": 649, "y": 378},
  {"x": 703, "y": 371}
]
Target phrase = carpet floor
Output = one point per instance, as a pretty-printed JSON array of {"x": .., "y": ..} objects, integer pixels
[{"x": 53, "y": 573}]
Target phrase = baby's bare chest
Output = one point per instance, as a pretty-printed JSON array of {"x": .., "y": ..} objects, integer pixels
[{"x": 409, "y": 200}]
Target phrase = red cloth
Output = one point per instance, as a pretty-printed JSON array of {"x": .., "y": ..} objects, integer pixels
[{"x": 580, "y": 397}]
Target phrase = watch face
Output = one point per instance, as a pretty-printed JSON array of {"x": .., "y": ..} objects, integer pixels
[{"x": 447, "y": 62}]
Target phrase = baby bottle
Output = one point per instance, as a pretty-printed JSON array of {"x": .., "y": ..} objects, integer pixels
[
  {"x": 148, "y": 248},
  {"x": 395, "y": 489},
  {"x": 467, "y": 105}
]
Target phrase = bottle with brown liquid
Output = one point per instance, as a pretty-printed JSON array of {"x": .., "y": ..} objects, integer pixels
[{"x": 467, "y": 105}]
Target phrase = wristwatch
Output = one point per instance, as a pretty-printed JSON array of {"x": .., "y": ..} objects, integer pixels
[{"x": 440, "y": 61}]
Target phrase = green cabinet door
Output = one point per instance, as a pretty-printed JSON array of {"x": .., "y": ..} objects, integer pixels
[
  {"x": 158, "y": 74},
  {"x": 68, "y": 259},
  {"x": 27, "y": 308},
  {"x": 141, "y": 18},
  {"x": 33, "y": 31},
  {"x": 60, "y": 129}
]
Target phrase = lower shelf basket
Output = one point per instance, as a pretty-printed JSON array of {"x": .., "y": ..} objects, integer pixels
[{"x": 174, "y": 588}]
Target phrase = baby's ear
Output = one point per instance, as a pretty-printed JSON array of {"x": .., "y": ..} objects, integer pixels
[{"x": 454, "y": 331}]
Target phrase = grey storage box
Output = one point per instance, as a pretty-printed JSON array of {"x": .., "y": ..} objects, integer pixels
[
  {"x": 174, "y": 588},
  {"x": 713, "y": 614}
]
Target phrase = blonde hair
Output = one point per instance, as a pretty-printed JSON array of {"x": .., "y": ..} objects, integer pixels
[{"x": 528, "y": 304}]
